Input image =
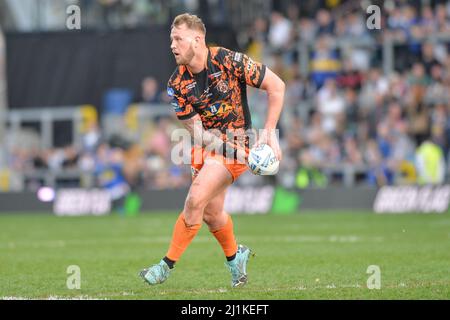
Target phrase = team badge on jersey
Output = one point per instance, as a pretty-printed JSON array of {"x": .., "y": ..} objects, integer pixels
[
  {"x": 170, "y": 92},
  {"x": 222, "y": 86}
]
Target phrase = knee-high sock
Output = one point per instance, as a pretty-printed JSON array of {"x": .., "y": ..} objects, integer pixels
[
  {"x": 181, "y": 238},
  {"x": 225, "y": 236}
]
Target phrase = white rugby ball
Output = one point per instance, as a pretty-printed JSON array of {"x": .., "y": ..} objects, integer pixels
[{"x": 262, "y": 160}]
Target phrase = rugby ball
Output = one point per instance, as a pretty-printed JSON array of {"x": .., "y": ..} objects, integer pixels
[{"x": 262, "y": 160}]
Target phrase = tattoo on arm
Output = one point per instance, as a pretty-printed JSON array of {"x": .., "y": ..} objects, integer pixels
[
  {"x": 209, "y": 139},
  {"x": 202, "y": 137}
]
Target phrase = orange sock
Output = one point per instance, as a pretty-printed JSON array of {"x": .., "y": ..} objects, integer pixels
[
  {"x": 181, "y": 238},
  {"x": 225, "y": 236}
]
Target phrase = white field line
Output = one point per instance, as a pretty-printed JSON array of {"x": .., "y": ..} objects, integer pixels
[
  {"x": 296, "y": 288},
  {"x": 53, "y": 297},
  {"x": 331, "y": 286},
  {"x": 200, "y": 239},
  {"x": 299, "y": 288}
]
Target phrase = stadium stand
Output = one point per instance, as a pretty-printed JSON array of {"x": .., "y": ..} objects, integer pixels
[{"x": 363, "y": 107}]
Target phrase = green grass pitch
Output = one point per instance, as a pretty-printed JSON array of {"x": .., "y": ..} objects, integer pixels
[{"x": 312, "y": 255}]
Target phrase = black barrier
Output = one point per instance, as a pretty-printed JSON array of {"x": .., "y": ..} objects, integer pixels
[
  {"x": 77, "y": 67},
  {"x": 163, "y": 199},
  {"x": 251, "y": 200},
  {"x": 239, "y": 200},
  {"x": 26, "y": 202},
  {"x": 68, "y": 68},
  {"x": 338, "y": 198}
]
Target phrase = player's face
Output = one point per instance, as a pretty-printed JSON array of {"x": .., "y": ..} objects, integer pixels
[{"x": 182, "y": 40}]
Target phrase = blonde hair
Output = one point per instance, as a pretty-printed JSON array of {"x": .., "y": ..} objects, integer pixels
[{"x": 192, "y": 22}]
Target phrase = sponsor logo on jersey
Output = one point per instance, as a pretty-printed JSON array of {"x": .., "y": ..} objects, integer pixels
[
  {"x": 214, "y": 108},
  {"x": 237, "y": 56},
  {"x": 191, "y": 85},
  {"x": 216, "y": 74},
  {"x": 250, "y": 64}
]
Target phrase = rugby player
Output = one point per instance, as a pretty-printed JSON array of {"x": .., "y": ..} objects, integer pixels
[{"x": 208, "y": 89}]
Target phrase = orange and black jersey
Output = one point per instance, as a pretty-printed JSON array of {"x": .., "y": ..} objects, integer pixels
[{"x": 219, "y": 93}]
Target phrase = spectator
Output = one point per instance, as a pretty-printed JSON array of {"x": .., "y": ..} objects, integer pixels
[
  {"x": 428, "y": 58},
  {"x": 150, "y": 91},
  {"x": 430, "y": 163},
  {"x": 324, "y": 62},
  {"x": 349, "y": 77},
  {"x": 375, "y": 88},
  {"x": 279, "y": 31},
  {"x": 109, "y": 174},
  {"x": 436, "y": 92},
  {"x": 91, "y": 138},
  {"x": 330, "y": 104},
  {"x": 352, "y": 154},
  {"x": 378, "y": 173},
  {"x": 257, "y": 39},
  {"x": 419, "y": 119},
  {"x": 427, "y": 21},
  {"x": 308, "y": 30},
  {"x": 439, "y": 121},
  {"x": 418, "y": 81},
  {"x": 442, "y": 19},
  {"x": 324, "y": 22}
]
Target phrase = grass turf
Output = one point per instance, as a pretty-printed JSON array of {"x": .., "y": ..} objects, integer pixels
[{"x": 316, "y": 255}]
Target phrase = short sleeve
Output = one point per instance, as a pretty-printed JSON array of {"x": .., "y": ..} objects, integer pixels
[
  {"x": 182, "y": 109},
  {"x": 242, "y": 66}
]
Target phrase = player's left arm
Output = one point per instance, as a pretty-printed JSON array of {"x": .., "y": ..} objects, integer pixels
[{"x": 275, "y": 89}]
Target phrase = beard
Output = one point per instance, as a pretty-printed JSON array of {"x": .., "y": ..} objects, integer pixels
[{"x": 187, "y": 58}]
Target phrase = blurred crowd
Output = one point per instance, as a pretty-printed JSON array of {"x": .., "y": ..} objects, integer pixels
[
  {"x": 342, "y": 110},
  {"x": 115, "y": 163}
]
